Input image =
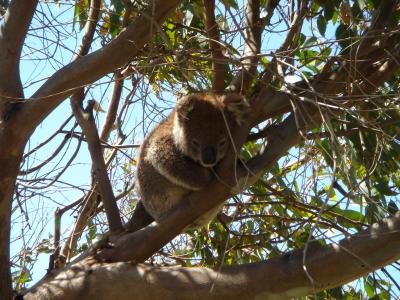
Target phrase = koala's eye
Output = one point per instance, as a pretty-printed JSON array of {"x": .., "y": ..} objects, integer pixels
[
  {"x": 195, "y": 143},
  {"x": 222, "y": 143}
]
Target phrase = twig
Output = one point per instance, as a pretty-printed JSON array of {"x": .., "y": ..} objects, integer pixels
[{"x": 86, "y": 122}]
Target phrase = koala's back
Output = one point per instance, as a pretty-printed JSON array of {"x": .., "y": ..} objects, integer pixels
[{"x": 159, "y": 194}]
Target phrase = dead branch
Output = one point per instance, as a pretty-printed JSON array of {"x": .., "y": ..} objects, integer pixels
[{"x": 91, "y": 200}]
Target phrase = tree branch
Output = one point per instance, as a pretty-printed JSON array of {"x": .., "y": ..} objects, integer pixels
[
  {"x": 86, "y": 122},
  {"x": 267, "y": 131},
  {"x": 329, "y": 266},
  {"x": 90, "y": 28},
  {"x": 289, "y": 133},
  {"x": 254, "y": 26},
  {"x": 93, "y": 66},
  {"x": 91, "y": 200},
  {"x": 88, "y": 125},
  {"x": 13, "y": 31},
  {"x": 218, "y": 64},
  {"x": 112, "y": 107}
]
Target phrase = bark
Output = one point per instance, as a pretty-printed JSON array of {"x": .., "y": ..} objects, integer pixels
[
  {"x": 280, "y": 278},
  {"x": 218, "y": 59},
  {"x": 10, "y": 157},
  {"x": 86, "y": 121},
  {"x": 12, "y": 35}
]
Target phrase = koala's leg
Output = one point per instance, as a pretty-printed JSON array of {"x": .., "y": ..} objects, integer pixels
[{"x": 139, "y": 219}]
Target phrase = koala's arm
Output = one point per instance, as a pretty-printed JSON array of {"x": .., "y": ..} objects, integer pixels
[{"x": 176, "y": 167}]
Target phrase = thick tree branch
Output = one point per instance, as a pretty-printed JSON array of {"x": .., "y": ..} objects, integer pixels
[
  {"x": 93, "y": 66},
  {"x": 289, "y": 133},
  {"x": 13, "y": 30},
  {"x": 10, "y": 157},
  {"x": 218, "y": 64},
  {"x": 281, "y": 278},
  {"x": 91, "y": 200}
]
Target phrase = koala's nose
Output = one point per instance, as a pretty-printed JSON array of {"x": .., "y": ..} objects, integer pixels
[{"x": 208, "y": 156}]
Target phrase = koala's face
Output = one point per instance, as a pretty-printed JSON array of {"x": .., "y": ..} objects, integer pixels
[{"x": 200, "y": 130}]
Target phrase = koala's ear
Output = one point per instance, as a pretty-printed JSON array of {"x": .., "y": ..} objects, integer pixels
[
  {"x": 185, "y": 105},
  {"x": 237, "y": 106}
]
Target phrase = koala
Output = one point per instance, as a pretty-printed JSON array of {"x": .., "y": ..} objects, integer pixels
[{"x": 178, "y": 155}]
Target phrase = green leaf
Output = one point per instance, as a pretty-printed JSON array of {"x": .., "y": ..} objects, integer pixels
[
  {"x": 230, "y": 3},
  {"x": 329, "y": 10},
  {"x": 310, "y": 42},
  {"x": 369, "y": 289},
  {"x": 313, "y": 69},
  {"x": 301, "y": 39},
  {"x": 307, "y": 56},
  {"x": 24, "y": 277},
  {"x": 356, "y": 11},
  {"x": 353, "y": 215},
  {"x": 392, "y": 207},
  {"x": 374, "y": 3},
  {"x": 207, "y": 255},
  {"x": 384, "y": 189},
  {"x": 321, "y": 24},
  {"x": 343, "y": 34},
  {"x": 114, "y": 24}
]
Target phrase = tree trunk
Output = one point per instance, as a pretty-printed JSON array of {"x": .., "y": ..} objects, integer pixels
[{"x": 10, "y": 159}]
